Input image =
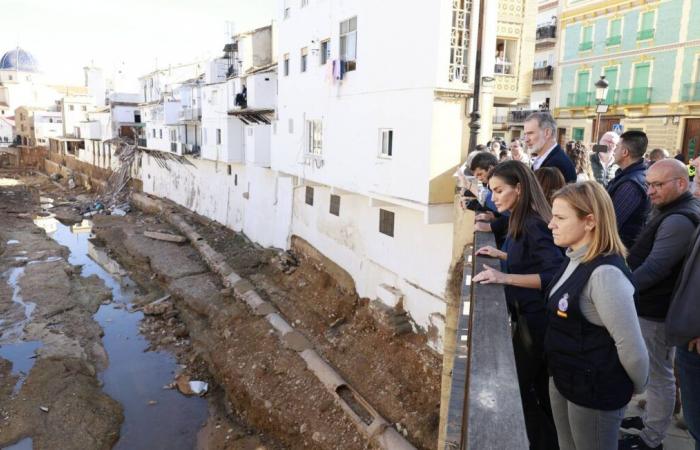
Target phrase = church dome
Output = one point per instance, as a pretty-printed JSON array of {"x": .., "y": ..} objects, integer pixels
[{"x": 18, "y": 59}]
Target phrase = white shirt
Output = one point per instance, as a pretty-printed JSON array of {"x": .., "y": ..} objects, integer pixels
[
  {"x": 523, "y": 158},
  {"x": 540, "y": 159}
]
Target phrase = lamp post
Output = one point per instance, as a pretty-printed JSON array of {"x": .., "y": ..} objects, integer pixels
[{"x": 601, "y": 93}]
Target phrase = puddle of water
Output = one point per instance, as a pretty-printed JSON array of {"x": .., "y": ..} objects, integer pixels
[
  {"x": 21, "y": 355},
  {"x": 15, "y": 331},
  {"x": 24, "y": 444},
  {"x": 134, "y": 377}
]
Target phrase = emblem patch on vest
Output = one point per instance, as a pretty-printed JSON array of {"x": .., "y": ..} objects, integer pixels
[{"x": 563, "y": 306}]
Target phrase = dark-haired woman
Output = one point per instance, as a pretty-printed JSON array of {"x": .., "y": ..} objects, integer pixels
[{"x": 530, "y": 259}]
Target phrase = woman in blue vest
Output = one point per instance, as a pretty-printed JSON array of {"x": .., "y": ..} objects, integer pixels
[
  {"x": 595, "y": 350},
  {"x": 529, "y": 260}
]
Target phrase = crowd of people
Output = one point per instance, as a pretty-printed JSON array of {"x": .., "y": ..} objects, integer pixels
[{"x": 597, "y": 254}]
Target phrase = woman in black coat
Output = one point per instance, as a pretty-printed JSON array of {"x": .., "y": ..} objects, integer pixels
[{"x": 530, "y": 260}]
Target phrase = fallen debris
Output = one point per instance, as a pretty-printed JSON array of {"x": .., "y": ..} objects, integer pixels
[
  {"x": 165, "y": 237},
  {"x": 188, "y": 387},
  {"x": 44, "y": 408}
]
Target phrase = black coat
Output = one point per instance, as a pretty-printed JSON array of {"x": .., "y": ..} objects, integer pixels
[{"x": 557, "y": 158}]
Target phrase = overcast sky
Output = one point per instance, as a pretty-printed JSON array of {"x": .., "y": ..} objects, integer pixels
[{"x": 66, "y": 35}]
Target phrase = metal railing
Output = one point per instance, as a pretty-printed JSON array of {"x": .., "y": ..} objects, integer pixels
[
  {"x": 691, "y": 92},
  {"x": 583, "y": 46},
  {"x": 485, "y": 410},
  {"x": 543, "y": 74},
  {"x": 643, "y": 35},
  {"x": 546, "y": 32},
  {"x": 142, "y": 142},
  {"x": 613, "y": 40},
  {"x": 634, "y": 96},
  {"x": 579, "y": 99},
  {"x": 519, "y": 116}
]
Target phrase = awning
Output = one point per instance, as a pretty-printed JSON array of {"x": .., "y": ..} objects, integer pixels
[{"x": 254, "y": 116}]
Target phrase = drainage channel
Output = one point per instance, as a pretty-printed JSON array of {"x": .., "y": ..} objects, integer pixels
[{"x": 153, "y": 417}]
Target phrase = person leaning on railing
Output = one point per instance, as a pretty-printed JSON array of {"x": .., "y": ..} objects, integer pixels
[
  {"x": 529, "y": 259},
  {"x": 594, "y": 346}
]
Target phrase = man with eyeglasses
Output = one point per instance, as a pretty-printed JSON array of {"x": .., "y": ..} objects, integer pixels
[
  {"x": 627, "y": 189},
  {"x": 656, "y": 261}
]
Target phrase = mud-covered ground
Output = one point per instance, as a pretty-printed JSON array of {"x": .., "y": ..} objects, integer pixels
[{"x": 262, "y": 395}]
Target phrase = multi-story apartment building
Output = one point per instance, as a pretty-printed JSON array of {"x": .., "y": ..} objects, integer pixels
[
  {"x": 546, "y": 38},
  {"x": 121, "y": 117},
  {"x": 35, "y": 126},
  {"x": 649, "y": 52}
]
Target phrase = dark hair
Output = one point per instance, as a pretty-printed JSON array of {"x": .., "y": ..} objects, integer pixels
[
  {"x": 578, "y": 154},
  {"x": 503, "y": 153},
  {"x": 483, "y": 161},
  {"x": 531, "y": 200},
  {"x": 681, "y": 157},
  {"x": 635, "y": 142},
  {"x": 551, "y": 180},
  {"x": 480, "y": 148}
]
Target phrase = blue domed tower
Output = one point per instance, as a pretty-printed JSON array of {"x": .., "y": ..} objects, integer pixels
[{"x": 19, "y": 60}]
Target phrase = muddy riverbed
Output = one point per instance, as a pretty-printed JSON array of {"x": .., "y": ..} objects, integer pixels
[{"x": 80, "y": 366}]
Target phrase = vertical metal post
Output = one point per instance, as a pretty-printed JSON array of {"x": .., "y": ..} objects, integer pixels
[{"x": 475, "y": 124}]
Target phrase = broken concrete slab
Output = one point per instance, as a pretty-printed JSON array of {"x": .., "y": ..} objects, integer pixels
[
  {"x": 165, "y": 237},
  {"x": 242, "y": 286}
]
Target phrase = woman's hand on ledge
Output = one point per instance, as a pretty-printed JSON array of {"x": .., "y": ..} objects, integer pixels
[
  {"x": 491, "y": 251},
  {"x": 485, "y": 217},
  {"x": 490, "y": 276}
]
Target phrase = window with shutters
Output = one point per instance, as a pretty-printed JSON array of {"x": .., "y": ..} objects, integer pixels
[
  {"x": 386, "y": 222},
  {"x": 614, "y": 33},
  {"x": 646, "y": 26},
  {"x": 304, "y": 58},
  {"x": 314, "y": 137},
  {"x": 335, "y": 205},
  {"x": 309, "y": 196}
]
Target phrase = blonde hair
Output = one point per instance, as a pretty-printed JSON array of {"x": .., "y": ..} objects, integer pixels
[{"x": 589, "y": 197}]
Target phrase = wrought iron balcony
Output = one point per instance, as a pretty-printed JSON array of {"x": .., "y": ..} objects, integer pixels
[
  {"x": 691, "y": 92},
  {"x": 543, "y": 75},
  {"x": 613, "y": 40},
  {"x": 645, "y": 34},
  {"x": 519, "y": 116},
  {"x": 577, "y": 99},
  {"x": 546, "y": 32},
  {"x": 634, "y": 96},
  {"x": 584, "y": 46}
]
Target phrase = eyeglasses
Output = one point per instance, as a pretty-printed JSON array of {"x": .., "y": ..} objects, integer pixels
[{"x": 659, "y": 184}]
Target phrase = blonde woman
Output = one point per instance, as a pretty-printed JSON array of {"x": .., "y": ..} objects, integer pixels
[{"x": 595, "y": 351}]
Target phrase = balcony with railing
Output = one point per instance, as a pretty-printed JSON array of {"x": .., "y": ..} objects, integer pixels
[
  {"x": 519, "y": 115},
  {"x": 142, "y": 142},
  {"x": 691, "y": 92},
  {"x": 585, "y": 46},
  {"x": 645, "y": 35},
  {"x": 634, "y": 96},
  {"x": 546, "y": 35},
  {"x": 543, "y": 75},
  {"x": 579, "y": 99},
  {"x": 613, "y": 40}
]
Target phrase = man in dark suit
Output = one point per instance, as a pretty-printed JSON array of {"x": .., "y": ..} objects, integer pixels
[{"x": 540, "y": 138}]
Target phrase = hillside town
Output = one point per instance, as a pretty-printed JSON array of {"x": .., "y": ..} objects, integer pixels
[{"x": 348, "y": 232}]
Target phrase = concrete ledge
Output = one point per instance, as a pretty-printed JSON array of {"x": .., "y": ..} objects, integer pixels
[{"x": 279, "y": 324}]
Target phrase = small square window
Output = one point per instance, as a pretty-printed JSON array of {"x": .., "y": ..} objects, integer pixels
[
  {"x": 84, "y": 108},
  {"x": 309, "y": 198},
  {"x": 304, "y": 3},
  {"x": 386, "y": 222},
  {"x": 285, "y": 67},
  {"x": 577, "y": 134},
  {"x": 387, "y": 143},
  {"x": 335, "y": 205},
  {"x": 71, "y": 107}
]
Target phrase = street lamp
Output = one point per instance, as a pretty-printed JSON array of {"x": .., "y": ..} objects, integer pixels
[{"x": 601, "y": 94}]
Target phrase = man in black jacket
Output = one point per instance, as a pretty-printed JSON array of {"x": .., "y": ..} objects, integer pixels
[
  {"x": 541, "y": 139},
  {"x": 627, "y": 189},
  {"x": 656, "y": 260}
]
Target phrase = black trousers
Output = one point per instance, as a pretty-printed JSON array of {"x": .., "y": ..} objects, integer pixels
[{"x": 533, "y": 378}]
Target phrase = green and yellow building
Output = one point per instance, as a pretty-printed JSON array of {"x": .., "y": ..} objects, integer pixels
[{"x": 649, "y": 52}]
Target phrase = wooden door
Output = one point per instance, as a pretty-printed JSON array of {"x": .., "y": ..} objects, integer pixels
[
  {"x": 606, "y": 124},
  {"x": 691, "y": 139}
]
